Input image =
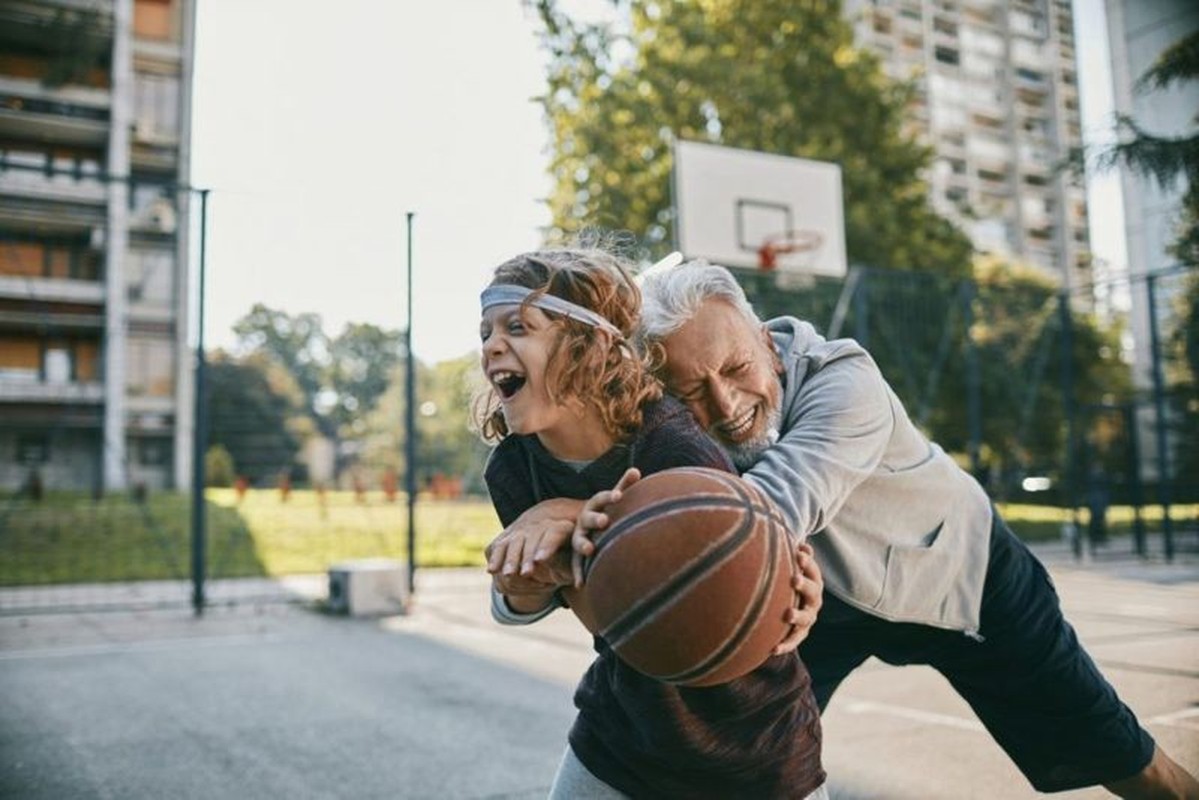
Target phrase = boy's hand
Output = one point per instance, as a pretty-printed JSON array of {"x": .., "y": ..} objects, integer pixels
[
  {"x": 533, "y": 547},
  {"x": 523, "y": 595},
  {"x": 809, "y": 590},
  {"x": 592, "y": 518}
]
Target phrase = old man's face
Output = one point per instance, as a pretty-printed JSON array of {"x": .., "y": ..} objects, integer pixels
[{"x": 725, "y": 369}]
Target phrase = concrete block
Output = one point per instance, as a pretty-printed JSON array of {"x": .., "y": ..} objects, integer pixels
[{"x": 368, "y": 587}]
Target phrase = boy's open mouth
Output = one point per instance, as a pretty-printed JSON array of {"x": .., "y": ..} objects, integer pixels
[{"x": 507, "y": 383}]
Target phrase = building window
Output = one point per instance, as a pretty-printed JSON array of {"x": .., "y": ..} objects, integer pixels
[
  {"x": 153, "y": 208},
  {"x": 150, "y": 273},
  {"x": 152, "y": 19},
  {"x": 20, "y": 359},
  {"x": 57, "y": 364},
  {"x": 87, "y": 361},
  {"x": 21, "y": 258},
  {"x": 947, "y": 55},
  {"x": 153, "y": 452},
  {"x": 151, "y": 367},
  {"x": 156, "y": 104},
  {"x": 33, "y": 448}
]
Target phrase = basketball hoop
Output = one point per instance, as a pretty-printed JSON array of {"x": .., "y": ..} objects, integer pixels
[
  {"x": 790, "y": 257},
  {"x": 789, "y": 242}
]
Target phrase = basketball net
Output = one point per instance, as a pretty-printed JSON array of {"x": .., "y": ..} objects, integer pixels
[{"x": 800, "y": 248}]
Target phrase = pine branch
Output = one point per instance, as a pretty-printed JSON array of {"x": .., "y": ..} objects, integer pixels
[
  {"x": 1178, "y": 62},
  {"x": 1165, "y": 159}
]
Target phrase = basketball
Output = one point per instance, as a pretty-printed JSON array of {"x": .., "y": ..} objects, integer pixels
[{"x": 690, "y": 582}]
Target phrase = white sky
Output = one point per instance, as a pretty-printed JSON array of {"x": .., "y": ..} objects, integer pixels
[{"x": 317, "y": 126}]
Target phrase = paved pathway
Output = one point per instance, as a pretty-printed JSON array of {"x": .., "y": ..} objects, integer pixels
[{"x": 270, "y": 700}]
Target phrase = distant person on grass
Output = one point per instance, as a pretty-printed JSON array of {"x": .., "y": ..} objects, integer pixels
[
  {"x": 574, "y": 409},
  {"x": 919, "y": 568}
]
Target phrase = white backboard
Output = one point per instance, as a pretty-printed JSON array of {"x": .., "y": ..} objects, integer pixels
[{"x": 729, "y": 202}]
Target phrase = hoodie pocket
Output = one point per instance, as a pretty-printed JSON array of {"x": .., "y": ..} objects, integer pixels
[{"x": 917, "y": 578}]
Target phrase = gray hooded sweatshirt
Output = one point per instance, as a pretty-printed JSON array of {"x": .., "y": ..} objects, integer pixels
[{"x": 899, "y": 530}]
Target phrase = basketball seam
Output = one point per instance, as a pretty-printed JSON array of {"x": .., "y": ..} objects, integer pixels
[
  {"x": 647, "y": 609},
  {"x": 741, "y": 630},
  {"x": 660, "y": 508}
]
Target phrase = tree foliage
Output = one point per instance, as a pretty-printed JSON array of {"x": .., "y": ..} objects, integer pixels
[
  {"x": 251, "y": 416},
  {"x": 782, "y": 78},
  {"x": 341, "y": 378},
  {"x": 446, "y": 444}
]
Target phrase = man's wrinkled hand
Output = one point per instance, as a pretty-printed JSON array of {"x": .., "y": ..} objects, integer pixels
[
  {"x": 592, "y": 518},
  {"x": 808, "y": 584}
]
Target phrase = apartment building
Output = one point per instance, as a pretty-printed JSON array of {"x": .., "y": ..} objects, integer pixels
[
  {"x": 1138, "y": 32},
  {"x": 997, "y": 100},
  {"x": 95, "y": 374}
]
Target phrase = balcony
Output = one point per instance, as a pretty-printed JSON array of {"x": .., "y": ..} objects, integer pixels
[
  {"x": 40, "y": 24},
  {"x": 61, "y": 116},
  {"x": 20, "y": 389},
  {"x": 29, "y": 176},
  {"x": 1036, "y": 160},
  {"x": 987, "y": 150},
  {"x": 21, "y": 318},
  {"x": 59, "y": 290}
]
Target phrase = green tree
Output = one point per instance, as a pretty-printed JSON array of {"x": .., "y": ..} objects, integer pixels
[
  {"x": 446, "y": 444},
  {"x": 251, "y": 416},
  {"x": 782, "y": 78},
  {"x": 1018, "y": 336},
  {"x": 340, "y": 379},
  {"x": 361, "y": 361},
  {"x": 219, "y": 469},
  {"x": 297, "y": 343}
]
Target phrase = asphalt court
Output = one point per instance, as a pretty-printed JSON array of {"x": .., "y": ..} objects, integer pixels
[{"x": 274, "y": 700}]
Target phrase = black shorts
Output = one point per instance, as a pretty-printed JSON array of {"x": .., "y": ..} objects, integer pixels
[{"x": 1028, "y": 679}]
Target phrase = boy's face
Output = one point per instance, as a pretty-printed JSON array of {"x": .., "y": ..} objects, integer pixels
[
  {"x": 725, "y": 370},
  {"x": 516, "y": 348}
]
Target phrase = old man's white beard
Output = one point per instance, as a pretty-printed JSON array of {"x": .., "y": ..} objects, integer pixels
[{"x": 745, "y": 454}]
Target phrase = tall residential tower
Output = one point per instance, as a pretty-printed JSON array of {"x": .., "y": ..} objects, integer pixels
[
  {"x": 997, "y": 100},
  {"x": 95, "y": 375}
]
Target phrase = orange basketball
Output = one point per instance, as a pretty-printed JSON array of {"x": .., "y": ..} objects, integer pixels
[{"x": 690, "y": 582}]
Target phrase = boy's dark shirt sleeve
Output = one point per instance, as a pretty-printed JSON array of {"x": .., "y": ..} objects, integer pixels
[{"x": 672, "y": 438}]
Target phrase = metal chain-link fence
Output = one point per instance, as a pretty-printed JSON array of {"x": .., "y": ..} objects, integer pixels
[{"x": 305, "y": 429}]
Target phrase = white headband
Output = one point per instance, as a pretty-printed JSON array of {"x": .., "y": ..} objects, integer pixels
[{"x": 507, "y": 294}]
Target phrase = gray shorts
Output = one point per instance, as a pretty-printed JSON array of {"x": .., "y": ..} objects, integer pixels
[{"x": 575, "y": 782}]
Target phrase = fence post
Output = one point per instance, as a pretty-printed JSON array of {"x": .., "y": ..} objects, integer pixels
[
  {"x": 973, "y": 380},
  {"x": 410, "y": 424},
  {"x": 1134, "y": 477},
  {"x": 861, "y": 310},
  {"x": 1067, "y": 378},
  {"x": 199, "y": 429},
  {"x": 1159, "y": 414}
]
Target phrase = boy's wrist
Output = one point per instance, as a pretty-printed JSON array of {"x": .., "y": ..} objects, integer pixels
[{"x": 530, "y": 603}]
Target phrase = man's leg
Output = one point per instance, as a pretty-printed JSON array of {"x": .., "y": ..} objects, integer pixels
[
  {"x": 1042, "y": 697},
  {"x": 837, "y": 645}
]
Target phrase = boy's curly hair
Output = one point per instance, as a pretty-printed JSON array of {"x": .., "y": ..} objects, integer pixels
[{"x": 583, "y": 362}]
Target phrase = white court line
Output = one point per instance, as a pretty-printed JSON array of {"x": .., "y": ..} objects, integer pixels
[
  {"x": 1176, "y": 719},
  {"x": 157, "y": 645},
  {"x": 867, "y": 707}
]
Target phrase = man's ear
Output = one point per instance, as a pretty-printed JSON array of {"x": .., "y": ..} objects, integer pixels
[{"x": 776, "y": 363}]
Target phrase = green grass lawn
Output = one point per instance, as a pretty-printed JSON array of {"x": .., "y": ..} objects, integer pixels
[{"x": 72, "y": 539}]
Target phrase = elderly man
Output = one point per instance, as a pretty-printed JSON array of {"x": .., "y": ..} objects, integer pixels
[{"x": 918, "y": 566}]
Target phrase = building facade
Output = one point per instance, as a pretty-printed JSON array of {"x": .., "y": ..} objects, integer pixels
[
  {"x": 1138, "y": 32},
  {"x": 997, "y": 100},
  {"x": 95, "y": 372}
]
